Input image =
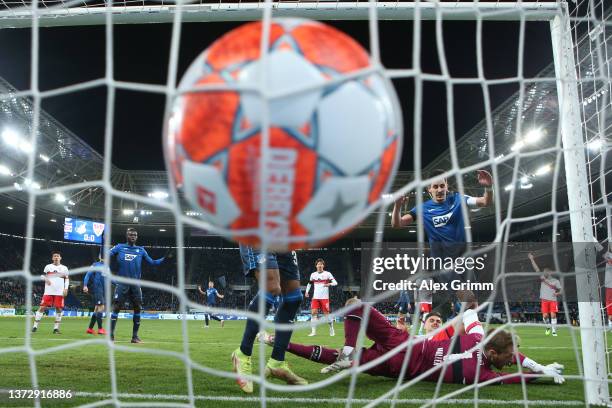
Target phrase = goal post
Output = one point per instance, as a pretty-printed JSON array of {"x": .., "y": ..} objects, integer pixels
[{"x": 591, "y": 328}]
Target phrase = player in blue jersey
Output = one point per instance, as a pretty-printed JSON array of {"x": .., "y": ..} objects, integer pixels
[
  {"x": 283, "y": 278},
  {"x": 211, "y": 300},
  {"x": 95, "y": 280},
  {"x": 129, "y": 259},
  {"x": 403, "y": 309},
  {"x": 442, "y": 218}
]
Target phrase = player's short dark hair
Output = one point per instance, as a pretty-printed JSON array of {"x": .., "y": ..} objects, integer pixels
[
  {"x": 500, "y": 341},
  {"x": 56, "y": 252},
  {"x": 320, "y": 260},
  {"x": 434, "y": 314},
  {"x": 130, "y": 229}
]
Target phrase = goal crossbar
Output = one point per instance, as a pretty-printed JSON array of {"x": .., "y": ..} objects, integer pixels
[{"x": 64, "y": 15}]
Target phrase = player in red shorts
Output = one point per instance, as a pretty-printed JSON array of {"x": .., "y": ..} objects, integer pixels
[
  {"x": 550, "y": 288},
  {"x": 608, "y": 284},
  {"x": 56, "y": 288},
  {"x": 321, "y": 280},
  {"x": 429, "y": 355}
]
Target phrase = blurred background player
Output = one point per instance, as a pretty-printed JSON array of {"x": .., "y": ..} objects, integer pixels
[
  {"x": 95, "y": 279},
  {"x": 282, "y": 278},
  {"x": 550, "y": 288},
  {"x": 129, "y": 260},
  {"x": 56, "y": 288},
  {"x": 403, "y": 309},
  {"x": 321, "y": 280},
  {"x": 211, "y": 300},
  {"x": 423, "y": 299}
]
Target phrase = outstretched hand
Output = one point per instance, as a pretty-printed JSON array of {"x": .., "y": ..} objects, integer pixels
[
  {"x": 485, "y": 178},
  {"x": 169, "y": 255},
  {"x": 555, "y": 370}
]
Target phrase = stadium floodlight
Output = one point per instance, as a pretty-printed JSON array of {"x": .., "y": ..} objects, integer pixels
[
  {"x": 5, "y": 171},
  {"x": 533, "y": 136},
  {"x": 543, "y": 170},
  {"x": 67, "y": 209},
  {"x": 193, "y": 214},
  {"x": 158, "y": 195},
  {"x": 53, "y": 220},
  {"x": 146, "y": 212},
  {"x": 518, "y": 145},
  {"x": 162, "y": 230},
  {"x": 509, "y": 187},
  {"x": 12, "y": 138},
  {"x": 595, "y": 144},
  {"x": 59, "y": 197},
  {"x": 70, "y": 202},
  {"x": 17, "y": 186},
  {"x": 127, "y": 211},
  {"x": 33, "y": 184},
  {"x": 8, "y": 207},
  {"x": 44, "y": 158}
]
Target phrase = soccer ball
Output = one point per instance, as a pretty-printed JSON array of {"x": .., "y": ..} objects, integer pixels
[{"x": 333, "y": 142}]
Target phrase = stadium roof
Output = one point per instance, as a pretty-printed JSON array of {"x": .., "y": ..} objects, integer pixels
[{"x": 64, "y": 159}]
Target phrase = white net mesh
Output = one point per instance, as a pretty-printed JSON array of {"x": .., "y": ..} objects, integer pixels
[{"x": 529, "y": 170}]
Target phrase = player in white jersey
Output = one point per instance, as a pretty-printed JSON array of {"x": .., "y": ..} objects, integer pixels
[
  {"x": 608, "y": 284},
  {"x": 423, "y": 298},
  {"x": 56, "y": 288},
  {"x": 550, "y": 288},
  {"x": 321, "y": 280}
]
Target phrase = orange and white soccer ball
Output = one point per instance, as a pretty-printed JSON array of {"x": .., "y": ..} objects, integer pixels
[{"x": 334, "y": 143}]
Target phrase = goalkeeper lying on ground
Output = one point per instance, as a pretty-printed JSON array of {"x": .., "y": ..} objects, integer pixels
[{"x": 463, "y": 359}]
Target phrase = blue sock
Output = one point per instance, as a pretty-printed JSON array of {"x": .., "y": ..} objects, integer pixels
[
  {"x": 136, "y": 326},
  {"x": 252, "y": 326},
  {"x": 113, "y": 322},
  {"x": 286, "y": 312}
]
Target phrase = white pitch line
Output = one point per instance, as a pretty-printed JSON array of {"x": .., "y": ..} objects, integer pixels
[{"x": 178, "y": 397}]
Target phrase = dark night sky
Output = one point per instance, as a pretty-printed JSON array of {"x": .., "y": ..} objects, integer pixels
[{"x": 72, "y": 55}]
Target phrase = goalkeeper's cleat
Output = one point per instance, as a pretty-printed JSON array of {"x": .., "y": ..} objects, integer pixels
[
  {"x": 101, "y": 332},
  {"x": 136, "y": 340},
  {"x": 554, "y": 333},
  {"x": 343, "y": 362},
  {"x": 547, "y": 332},
  {"x": 281, "y": 371},
  {"x": 90, "y": 331},
  {"x": 56, "y": 331},
  {"x": 265, "y": 337},
  {"x": 241, "y": 364},
  {"x": 34, "y": 329}
]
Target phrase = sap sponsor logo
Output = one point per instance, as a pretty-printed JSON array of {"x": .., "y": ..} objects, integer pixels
[
  {"x": 441, "y": 220},
  {"x": 130, "y": 257}
]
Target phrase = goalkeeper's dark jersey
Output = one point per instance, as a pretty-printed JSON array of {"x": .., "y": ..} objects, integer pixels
[{"x": 130, "y": 259}]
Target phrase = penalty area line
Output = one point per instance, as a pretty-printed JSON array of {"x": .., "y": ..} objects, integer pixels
[{"x": 452, "y": 401}]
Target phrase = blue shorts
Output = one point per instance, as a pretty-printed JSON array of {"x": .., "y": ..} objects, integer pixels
[
  {"x": 124, "y": 292},
  {"x": 98, "y": 297},
  {"x": 402, "y": 307},
  {"x": 285, "y": 262}
]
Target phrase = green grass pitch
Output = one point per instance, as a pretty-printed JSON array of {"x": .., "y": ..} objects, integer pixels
[{"x": 84, "y": 368}]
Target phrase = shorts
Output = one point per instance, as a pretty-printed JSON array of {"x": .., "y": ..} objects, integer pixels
[
  {"x": 549, "y": 306},
  {"x": 425, "y": 307},
  {"x": 285, "y": 262},
  {"x": 402, "y": 307},
  {"x": 320, "y": 304},
  {"x": 56, "y": 301},
  {"x": 609, "y": 301},
  {"x": 98, "y": 297},
  {"x": 124, "y": 292}
]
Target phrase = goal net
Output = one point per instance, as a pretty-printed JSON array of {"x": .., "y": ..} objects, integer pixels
[{"x": 521, "y": 90}]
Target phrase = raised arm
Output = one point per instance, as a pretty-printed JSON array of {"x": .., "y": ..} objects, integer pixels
[
  {"x": 397, "y": 220},
  {"x": 486, "y": 180},
  {"x": 220, "y": 296},
  {"x": 533, "y": 262},
  {"x": 151, "y": 260},
  {"x": 200, "y": 290},
  {"x": 307, "y": 291}
]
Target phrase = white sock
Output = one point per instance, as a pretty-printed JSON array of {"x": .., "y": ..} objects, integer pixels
[
  {"x": 346, "y": 350},
  {"x": 553, "y": 324},
  {"x": 330, "y": 321},
  {"x": 609, "y": 323},
  {"x": 58, "y": 320},
  {"x": 313, "y": 326},
  {"x": 37, "y": 318}
]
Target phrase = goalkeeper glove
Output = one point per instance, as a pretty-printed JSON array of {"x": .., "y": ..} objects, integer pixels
[{"x": 555, "y": 370}]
